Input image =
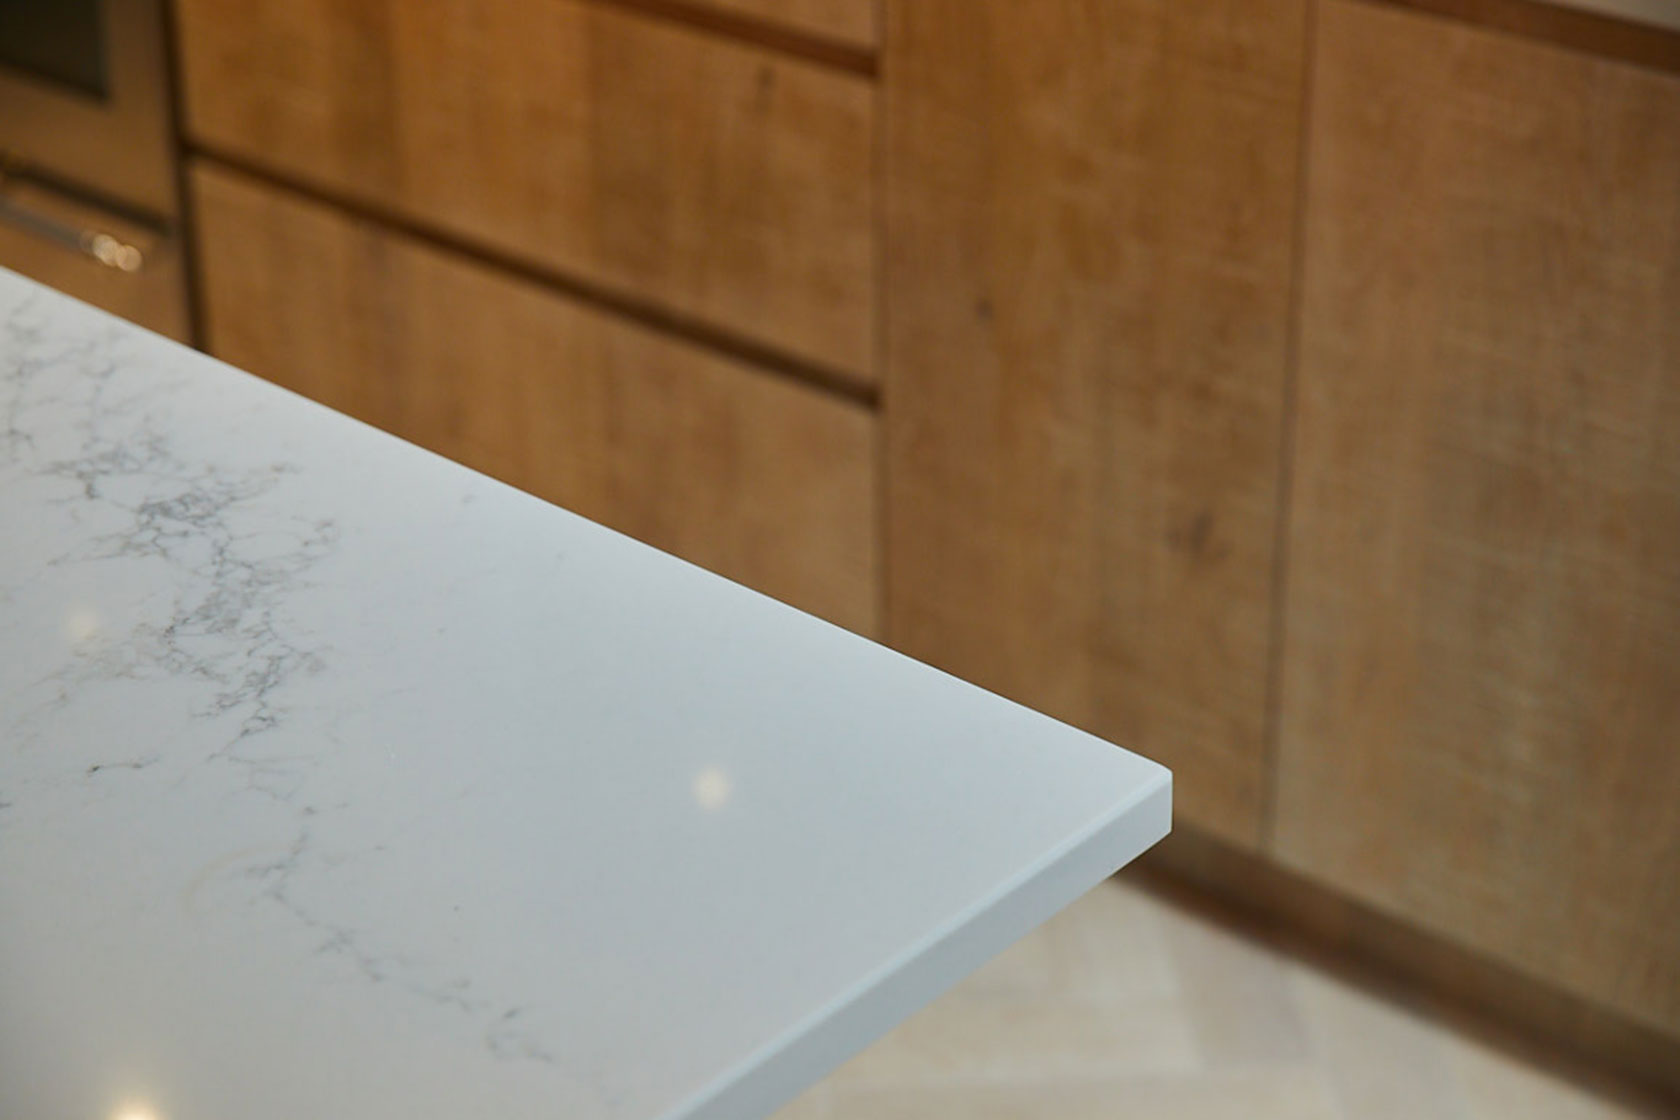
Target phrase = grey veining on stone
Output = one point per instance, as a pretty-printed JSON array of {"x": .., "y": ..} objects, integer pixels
[
  {"x": 88, "y": 428},
  {"x": 339, "y": 781}
]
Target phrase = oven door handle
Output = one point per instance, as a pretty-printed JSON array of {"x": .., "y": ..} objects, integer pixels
[{"x": 106, "y": 248}]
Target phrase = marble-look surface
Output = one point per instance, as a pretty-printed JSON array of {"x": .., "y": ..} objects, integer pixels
[{"x": 339, "y": 781}]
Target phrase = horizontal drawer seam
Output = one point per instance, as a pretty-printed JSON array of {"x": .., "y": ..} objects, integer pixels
[{"x": 836, "y": 382}]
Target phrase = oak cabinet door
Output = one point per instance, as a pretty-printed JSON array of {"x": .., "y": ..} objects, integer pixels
[
  {"x": 763, "y": 480},
  {"x": 1091, "y": 209},
  {"x": 1481, "y": 691},
  {"x": 852, "y": 22},
  {"x": 711, "y": 181}
]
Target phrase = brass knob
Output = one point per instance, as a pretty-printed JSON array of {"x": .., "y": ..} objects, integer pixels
[{"x": 111, "y": 252}]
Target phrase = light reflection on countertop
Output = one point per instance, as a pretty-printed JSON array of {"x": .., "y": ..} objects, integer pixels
[
  {"x": 81, "y": 624},
  {"x": 712, "y": 788}
]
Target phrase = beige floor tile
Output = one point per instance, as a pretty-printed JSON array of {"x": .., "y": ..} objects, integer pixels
[
  {"x": 1126, "y": 1006},
  {"x": 1384, "y": 1062},
  {"x": 1237, "y": 994},
  {"x": 1108, "y": 945},
  {"x": 1284, "y": 1094},
  {"x": 1127, "y": 942}
]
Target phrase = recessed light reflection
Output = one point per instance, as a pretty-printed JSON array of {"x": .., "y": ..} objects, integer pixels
[
  {"x": 80, "y": 625},
  {"x": 136, "y": 1112},
  {"x": 712, "y": 788}
]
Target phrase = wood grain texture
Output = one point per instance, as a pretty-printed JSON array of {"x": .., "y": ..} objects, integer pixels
[
  {"x": 713, "y": 180},
  {"x": 1578, "y": 29},
  {"x": 1091, "y": 210},
  {"x": 1481, "y": 707},
  {"x": 764, "y": 481},
  {"x": 849, "y": 21}
]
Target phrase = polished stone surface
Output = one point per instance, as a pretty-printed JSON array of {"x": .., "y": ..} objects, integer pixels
[{"x": 337, "y": 780}]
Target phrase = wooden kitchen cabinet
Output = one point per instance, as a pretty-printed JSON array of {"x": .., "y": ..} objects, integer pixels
[
  {"x": 762, "y": 479},
  {"x": 1323, "y": 451},
  {"x": 1480, "y": 721},
  {"x": 708, "y": 181},
  {"x": 853, "y": 22},
  {"x": 1091, "y": 207}
]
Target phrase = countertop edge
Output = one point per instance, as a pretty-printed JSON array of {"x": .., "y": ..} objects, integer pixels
[{"x": 918, "y": 976}]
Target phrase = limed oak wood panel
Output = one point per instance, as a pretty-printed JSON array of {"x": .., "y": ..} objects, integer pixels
[
  {"x": 1091, "y": 210},
  {"x": 1481, "y": 705},
  {"x": 1579, "y": 28},
  {"x": 712, "y": 180},
  {"x": 758, "y": 478},
  {"x": 854, "y": 22}
]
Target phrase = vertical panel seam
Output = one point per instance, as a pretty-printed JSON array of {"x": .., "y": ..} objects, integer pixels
[{"x": 1284, "y": 505}]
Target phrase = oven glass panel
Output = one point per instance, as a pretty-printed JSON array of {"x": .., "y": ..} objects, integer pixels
[{"x": 60, "y": 41}]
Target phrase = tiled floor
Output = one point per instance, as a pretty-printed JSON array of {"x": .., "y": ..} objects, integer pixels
[{"x": 1127, "y": 1006}]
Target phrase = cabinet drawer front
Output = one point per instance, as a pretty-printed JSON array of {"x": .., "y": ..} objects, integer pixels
[
  {"x": 763, "y": 480},
  {"x": 713, "y": 181}
]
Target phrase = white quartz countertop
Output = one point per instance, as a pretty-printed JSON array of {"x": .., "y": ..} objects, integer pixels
[{"x": 339, "y": 781}]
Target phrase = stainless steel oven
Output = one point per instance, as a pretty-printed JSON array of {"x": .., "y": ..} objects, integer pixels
[{"x": 89, "y": 199}]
